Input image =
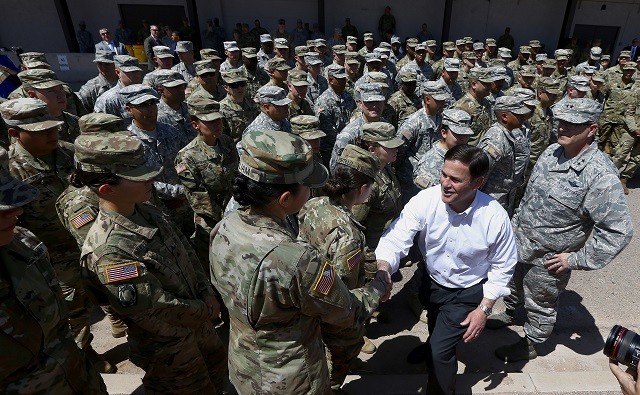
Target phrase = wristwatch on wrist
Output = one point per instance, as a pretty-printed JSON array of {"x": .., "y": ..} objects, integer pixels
[{"x": 485, "y": 309}]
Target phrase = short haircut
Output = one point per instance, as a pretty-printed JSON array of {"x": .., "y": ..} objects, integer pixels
[{"x": 473, "y": 157}]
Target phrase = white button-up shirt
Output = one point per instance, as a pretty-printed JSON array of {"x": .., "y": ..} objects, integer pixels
[{"x": 460, "y": 249}]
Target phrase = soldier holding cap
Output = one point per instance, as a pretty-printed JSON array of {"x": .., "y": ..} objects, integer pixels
[
  {"x": 298, "y": 86},
  {"x": 573, "y": 216},
  {"x": 237, "y": 107},
  {"x": 110, "y": 102},
  {"x": 274, "y": 110},
  {"x": 499, "y": 144},
  {"x": 206, "y": 167},
  {"x": 476, "y": 104},
  {"x": 105, "y": 80},
  {"x": 40, "y": 355},
  {"x": 276, "y": 172},
  {"x": 169, "y": 316},
  {"x": 256, "y": 76},
  {"x": 184, "y": 49},
  {"x": 405, "y": 101},
  {"x": 207, "y": 81},
  {"x": 172, "y": 109},
  {"x": 328, "y": 224}
]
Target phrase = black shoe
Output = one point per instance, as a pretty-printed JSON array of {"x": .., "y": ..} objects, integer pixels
[{"x": 418, "y": 354}]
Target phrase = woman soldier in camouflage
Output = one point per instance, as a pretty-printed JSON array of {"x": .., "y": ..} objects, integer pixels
[
  {"x": 328, "y": 224},
  {"x": 278, "y": 289},
  {"x": 136, "y": 260},
  {"x": 39, "y": 354}
]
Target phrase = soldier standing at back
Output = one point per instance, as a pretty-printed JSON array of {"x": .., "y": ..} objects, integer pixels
[
  {"x": 410, "y": 46},
  {"x": 522, "y": 60},
  {"x": 206, "y": 82},
  {"x": 129, "y": 73},
  {"x": 256, "y": 76},
  {"x": 184, "y": 49},
  {"x": 105, "y": 80},
  {"x": 172, "y": 109},
  {"x": 238, "y": 108},
  {"x": 298, "y": 84},
  {"x": 448, "y": 51},
  {"x": 405, "y": 101},
  {"x": 612, "y": 125}
]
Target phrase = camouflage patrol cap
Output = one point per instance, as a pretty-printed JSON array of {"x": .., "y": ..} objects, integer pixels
[
  {"x": 136, "y": 94},
  {"x": 39, "y": 79},
  {"x": 336, "y": 71},
  {"x": 468, "y": 55},
  {"x": 339, "y": 49},
  {"x": 233, "y": 75},
  {"x": 359, "y": 159},
  {"x": 525, "y": 49},
  {"x": 420, "y": 47},
  {"x": 368, "y": 36},
  {"x": 478, "y": 46},
  {"x": 468, "y": 39},
  {"x": 351, "y": 58},
  {"x": 272, "y": 94},
  {"x": 451, "y": 64},
  {"x": 579, "y": 83},
  {"x": 266, "y": 38},
  {"x": 385, "y": 45},
  {"x": 34, "y": 60},
  {"x": 535, "y": 44},
  {"x": 504, "y": 52},
  {"x": 561, "y": 54},
  {"x": 204, "y": 108},
  {"x": 281, "y": 43},
  {"x": 589, "y": 70},
  {"x": 597, "y": 77},
  {"x": 204, "y": 66},
  {"x": 382, "y": 133},
  {"x": 377, "y": 77},
  {"x": 412, "y": 42},
  {"x": 312, "y": 58},
  {"x": 230, "y": 46},
  {"x": 550, "y": 64},
  {"x": 595, "y": 53},
  {"x": 549, "y": 85},
  {"x": 528, "y": 71},
  {"x": 28, "y": 114},
  {"x": 541, "y": 57},
  {"x": 368, "y": 92},
  {"x": 249, "y": 52},
  {"x": 298, "y": 78},
  {"x": 352, "y": 40},
  {"x": 395, "y": 40},
  {"x": 209, "y": 53},
  {"x": 311, "y": 44},
  {"x": 486, "y": 75},
  {"x": 491, "y": 42},
  {"x": 496, "y": 62},
  {"x": 512, "y": 104},
  {"x": 277, "y": 63},
  {"x": 605, "y": 57},
  {"x": 449, "y": 46},
  {"x": 436, "y": 89},
  {"x": 372, "y": 57},
  {"x": 307, "y": 127},
  {"x": 103, "y": 57},
  {"x": 430, "y": 43},
  {"x": 119, "y": 153},
  {"x": 184, "y": 46},
  {"x": 300, "y": 50},
  {"x": 625, "y": 54},
  {"x": 97, "y": 122},
  {"x": 320, "y": 42},
  {"x": 160, "y": 51},
  {"x": 126, "y": 63},
  {"x": 13, "y": 192},
  {"x": 169, "y": 78},
  {"x": 577, "y": 111},
  {"x": 457, "y": 121},
  {"x": 461, "y": 41},
  {"x": 528, "y": 96},
  {"x": 276, "y": 157},
  {"x": 408, "y": 76},
  {"x": 630, "y": 66}
]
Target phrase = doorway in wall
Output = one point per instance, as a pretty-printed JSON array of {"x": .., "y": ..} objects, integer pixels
[
  {"x": 586, "y": 34},
  {"x": 161, "y": 15}
]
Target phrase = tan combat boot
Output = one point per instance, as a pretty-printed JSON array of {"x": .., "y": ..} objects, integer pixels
[{"x": 623, "y": 181}]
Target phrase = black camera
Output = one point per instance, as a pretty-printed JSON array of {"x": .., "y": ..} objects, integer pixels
[{"x": 623, "y": 345}]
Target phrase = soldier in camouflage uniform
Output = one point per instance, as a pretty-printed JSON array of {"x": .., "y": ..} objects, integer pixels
[
  {"x": 476, "y": 104},
  {"x": 405, "y": 101},
  {"x": 207, "y": 81},
  {"x": 352, "y": 68},
  {"x": 172, "y": 108},
  {"x": 525, "y": 78},
  {"x": 368, "y": 46},
  {"x": 626, "y": 156},
  {"x": 40, "y": 159},
  {"x": 40, "y": 84},
  {"x": 418, "y": 133},
  {"x": 105, "y": 80},
  {"x": 499, "y": 143},
  {"x": 573, "y": 216},
  {"x": 278, "y": 71},
  {"x": 282, "y": 290},
  {"x": 129, "y": 73},
  {"x": 238, "y": 109},
  {"x": 266, "y": 50},
  {"x": 274, "y": 110},
  {"x": 612, "y": 124},
  {"x": 561, "y": 72},
  {"x": 256, "y": 76},
  {"x": 522, "y": 60},
  {"x": 328, "y": 224},
  {"x": 449, "y": 78},
  {"x": 298, "y": 85},
  {"x": 137, "y": 261},
  {"x": 423, "y": 69},
  {"x": 206, "y": 167},
  {"x": 370, "y": 101},
  {"x": 448, "y": 51},
  {"x": 163, "y": 58},
  {"x": 39, "y": 352},
  {"x": 410, "y": 46},
  {"x": 333, "y": 108},
  {"x": 184, "y": 49},
  {"x": 317, "y": 82},
  {"x": 596, "y": 83},
  {"x": 614, "y": 74}
]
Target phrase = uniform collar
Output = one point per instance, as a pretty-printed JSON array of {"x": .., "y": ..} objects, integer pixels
[
  {"x": 144, "y": 231},
  {"x": 579, "y": 162}
]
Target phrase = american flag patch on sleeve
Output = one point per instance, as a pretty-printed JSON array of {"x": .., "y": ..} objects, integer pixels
[
  {"x": 180, "y": 167},
  {"x": 83, "y": 218},
  {"x": 355, "y": 259},
  {"x": 121, "y": 272},
  {"x": 325, "y": 281}
]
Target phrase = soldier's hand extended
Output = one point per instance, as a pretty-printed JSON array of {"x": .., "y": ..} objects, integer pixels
[
  {"x": 629, "y": 384},
  {"x": 385, "y": 278},
  {"x": 475, "y": 322},
  {"x": 558, "y": 263}
]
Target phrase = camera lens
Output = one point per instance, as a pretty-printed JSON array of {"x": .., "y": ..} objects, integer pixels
[{"x": 623, "y": 345}]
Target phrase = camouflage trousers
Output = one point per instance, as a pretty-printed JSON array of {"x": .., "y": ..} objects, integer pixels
[
  {"x": 192, "y": 365},
  {"x": 609, "y": 135},
  {"x": 626, "y": 156},
  {"x": 538, "y": 290},
  {"x": 78, "y": 302},
  {"x": 343, "y": 347}
]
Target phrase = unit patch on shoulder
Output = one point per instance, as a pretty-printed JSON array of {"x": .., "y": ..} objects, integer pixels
[
  {"x": 124, "y": 271},
  {"x": 84, "y": 217},
  {"x": 325, "y": 280},
  {"x": 355, "y": 259}
]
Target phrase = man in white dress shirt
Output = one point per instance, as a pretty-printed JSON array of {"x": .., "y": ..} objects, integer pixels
[{"x": 469, "y": 249}]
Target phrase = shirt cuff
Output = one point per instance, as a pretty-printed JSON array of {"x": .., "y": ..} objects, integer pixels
[{"x": 494, "y": 292}]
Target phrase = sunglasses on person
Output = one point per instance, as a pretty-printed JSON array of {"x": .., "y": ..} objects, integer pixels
[
  {"x": 236, "y": 85},
  {"x": 146, "y": 104}
]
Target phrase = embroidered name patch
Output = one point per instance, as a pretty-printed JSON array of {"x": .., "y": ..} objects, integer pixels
[
  {"x": 83, "y": 218},
  {"x": 355, "y": 259},
  {"x": 325, "y": 281},
  {"x": 121, "y": 272}
]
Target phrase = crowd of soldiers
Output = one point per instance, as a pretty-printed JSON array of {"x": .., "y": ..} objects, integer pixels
[{"x": 119, "y": 190}]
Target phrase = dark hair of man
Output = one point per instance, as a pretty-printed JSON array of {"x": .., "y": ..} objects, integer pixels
[
  {"x": 472, "y": 157},
  {"x": 344, "y": 180},
  {"x": 248, "y": 192}
]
